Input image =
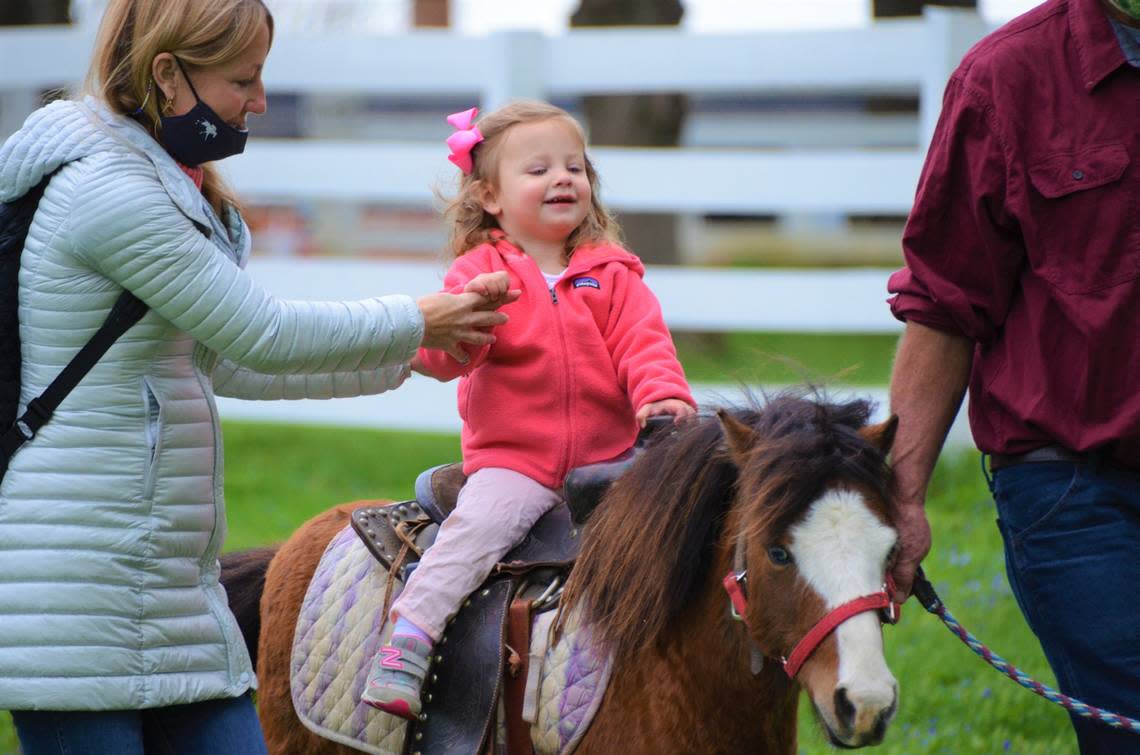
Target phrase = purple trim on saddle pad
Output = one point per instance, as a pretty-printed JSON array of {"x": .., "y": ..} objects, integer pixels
[{"x": 578, "y": 675}]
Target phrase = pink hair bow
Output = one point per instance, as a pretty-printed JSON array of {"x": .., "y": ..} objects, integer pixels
[{"x": 464, "y": 139}]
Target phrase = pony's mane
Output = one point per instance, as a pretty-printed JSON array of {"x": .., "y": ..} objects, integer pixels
[{"x": 647, "y": 551}]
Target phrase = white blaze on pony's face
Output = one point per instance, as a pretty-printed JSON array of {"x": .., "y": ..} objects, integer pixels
[{"x": 841, "y": 548}]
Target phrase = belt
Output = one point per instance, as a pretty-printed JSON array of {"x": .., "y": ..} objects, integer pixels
[{"x": 1043, "y": 455}]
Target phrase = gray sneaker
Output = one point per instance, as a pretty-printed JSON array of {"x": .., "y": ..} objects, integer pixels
[{"x": 397, "y": 676}]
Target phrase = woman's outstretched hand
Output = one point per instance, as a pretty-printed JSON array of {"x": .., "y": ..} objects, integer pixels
[{"x": 454, "y": 319}]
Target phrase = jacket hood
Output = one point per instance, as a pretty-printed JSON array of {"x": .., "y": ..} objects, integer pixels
[
  {"x": 592, "y": 255},
  {"x": 69, "y": 130}
]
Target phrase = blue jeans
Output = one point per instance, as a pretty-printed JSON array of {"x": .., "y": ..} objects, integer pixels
[
  {"x": 214, "y": 727},
  {"x": 1072, "y": 550}
]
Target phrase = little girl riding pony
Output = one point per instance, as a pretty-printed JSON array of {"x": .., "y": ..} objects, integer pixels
[{"x": 583, "y": 362}]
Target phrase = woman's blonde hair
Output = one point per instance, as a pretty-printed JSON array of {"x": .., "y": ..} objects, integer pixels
[
  {"x": 198, "y": 32},
  {"x": 471, "y": 225}
]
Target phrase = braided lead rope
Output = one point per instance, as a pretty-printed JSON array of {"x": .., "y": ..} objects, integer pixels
[{"x": 924, "y": 591}]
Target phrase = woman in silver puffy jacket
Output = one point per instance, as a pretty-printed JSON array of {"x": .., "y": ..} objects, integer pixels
[{"x": 115, "y": 636}]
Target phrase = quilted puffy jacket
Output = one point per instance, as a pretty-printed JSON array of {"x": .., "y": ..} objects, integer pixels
[{"x": 112, "y": 518}]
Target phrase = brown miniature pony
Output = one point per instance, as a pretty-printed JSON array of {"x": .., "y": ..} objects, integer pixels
[{"x": 796, "y": 492}]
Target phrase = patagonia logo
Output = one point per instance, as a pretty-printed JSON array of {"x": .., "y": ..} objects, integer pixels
[{"x": 585, "y": 282}]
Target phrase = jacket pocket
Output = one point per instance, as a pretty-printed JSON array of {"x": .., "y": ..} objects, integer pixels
[
  {"x": 1085, "y": 234},
  {"x": 153, "y": 436}
]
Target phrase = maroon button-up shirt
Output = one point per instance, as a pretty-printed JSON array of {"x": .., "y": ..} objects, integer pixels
[{"x": 1025, "y": 233}]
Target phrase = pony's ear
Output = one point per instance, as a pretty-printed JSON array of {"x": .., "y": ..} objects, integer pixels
[
  {"x": 882, "y": 435},
  {"x": 741, "y": 438}
]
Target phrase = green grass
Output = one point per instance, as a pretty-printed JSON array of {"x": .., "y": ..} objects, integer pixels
[
  {"x": 950, "y": 701},
  {"x": 278, "y": 476},
  {"x": 774, "y": 358}
]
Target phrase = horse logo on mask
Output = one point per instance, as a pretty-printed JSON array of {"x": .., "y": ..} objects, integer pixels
[{"x": 209, "y": 130}]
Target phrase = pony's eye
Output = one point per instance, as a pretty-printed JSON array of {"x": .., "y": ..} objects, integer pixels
[{"x": 779, "y": 556}]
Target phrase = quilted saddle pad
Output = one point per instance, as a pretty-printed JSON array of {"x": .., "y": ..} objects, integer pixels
[{"x": 335, "y": 639}]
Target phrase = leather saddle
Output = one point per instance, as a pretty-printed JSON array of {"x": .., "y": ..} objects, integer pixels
[{"x": 481, "y": 654}]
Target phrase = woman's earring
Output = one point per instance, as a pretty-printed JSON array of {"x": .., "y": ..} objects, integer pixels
[
  {"x": 146, "y": 99},
  {"x": 168, "y": 106}
]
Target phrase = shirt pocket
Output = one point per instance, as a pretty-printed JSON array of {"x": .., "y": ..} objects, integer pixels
[{"x": 1083, "y": 218}]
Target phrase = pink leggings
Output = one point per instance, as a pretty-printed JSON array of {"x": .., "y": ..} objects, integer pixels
[{"x": 495, "y": 511}]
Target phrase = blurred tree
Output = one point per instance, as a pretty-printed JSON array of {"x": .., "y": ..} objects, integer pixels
[
  {"x": 897, "y": 8},
  {"x": 22, "y": 12},
  {"x": 641, "y": 120},
  {"x": 431, "y": 13}
]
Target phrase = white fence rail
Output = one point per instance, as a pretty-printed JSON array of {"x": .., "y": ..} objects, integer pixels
[
  {"x": 692, "y": 298},
  {"x": 662, "y": 180}
]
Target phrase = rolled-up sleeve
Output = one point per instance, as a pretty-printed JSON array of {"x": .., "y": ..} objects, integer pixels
[{"x": 962, "y": 248}]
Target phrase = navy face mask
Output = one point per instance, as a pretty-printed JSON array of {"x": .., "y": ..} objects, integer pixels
[{"x": 200, "y": 136}]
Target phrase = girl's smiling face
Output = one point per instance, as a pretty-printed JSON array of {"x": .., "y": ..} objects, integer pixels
[{"x": 541, "y": 193}]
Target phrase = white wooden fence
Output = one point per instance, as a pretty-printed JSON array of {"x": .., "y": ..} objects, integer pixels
[{"x": 888, "y": 58}]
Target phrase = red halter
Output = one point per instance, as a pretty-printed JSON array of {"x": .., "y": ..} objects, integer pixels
[{"x": 877, "y": 601}]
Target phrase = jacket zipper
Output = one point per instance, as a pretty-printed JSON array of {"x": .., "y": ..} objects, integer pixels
[{"x": 564, "y": 364}]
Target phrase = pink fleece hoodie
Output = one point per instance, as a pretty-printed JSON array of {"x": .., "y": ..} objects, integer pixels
[{"x": 560, "y": 386}]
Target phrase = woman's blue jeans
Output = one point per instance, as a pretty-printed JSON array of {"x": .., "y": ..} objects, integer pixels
[
  {"x": 214, "y": 727},
  {"x": 1072, "y": 550}
]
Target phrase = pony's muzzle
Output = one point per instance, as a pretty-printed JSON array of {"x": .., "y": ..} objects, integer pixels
[{"x": 863, "y": 714}]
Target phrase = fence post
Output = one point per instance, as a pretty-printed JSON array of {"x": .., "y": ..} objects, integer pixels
[
  {"x": 516, "y": 67},
  {"x": 950, "y": 32}
]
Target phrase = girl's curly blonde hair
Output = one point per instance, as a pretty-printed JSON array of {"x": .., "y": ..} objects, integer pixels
[{"x": 471, "y": 225}]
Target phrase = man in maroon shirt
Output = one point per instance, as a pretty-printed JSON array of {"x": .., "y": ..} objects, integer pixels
[{"x": 1022, "y": 280}]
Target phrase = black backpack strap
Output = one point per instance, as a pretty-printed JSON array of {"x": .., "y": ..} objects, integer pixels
[
  {"x": 15, "y": 220},
  {"x": 127, "y": 311}
]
